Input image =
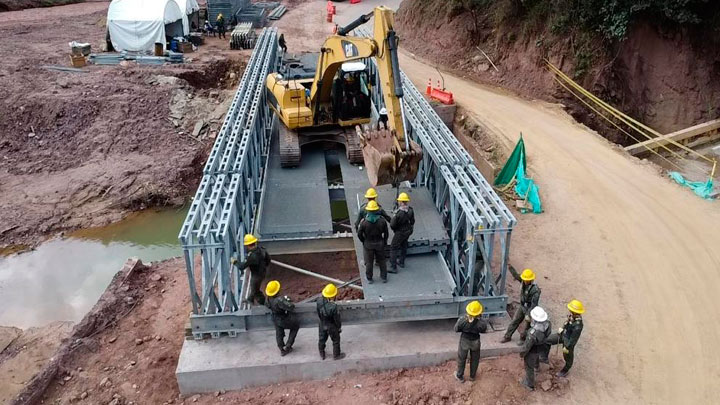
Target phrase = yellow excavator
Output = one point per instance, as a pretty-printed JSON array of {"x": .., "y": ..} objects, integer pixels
[{"x": 335, "y": 104}]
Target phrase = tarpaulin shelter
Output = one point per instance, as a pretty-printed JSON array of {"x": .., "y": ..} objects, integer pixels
[
  {"x": 514, "y": 172},
  {"x": 136, "y": 25},
  {"x": 188, "y": 8}
]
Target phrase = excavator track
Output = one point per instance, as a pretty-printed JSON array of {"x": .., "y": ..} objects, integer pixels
[
  {"x": 289, "y": 147},
  {"x": 353, "y": 147}
]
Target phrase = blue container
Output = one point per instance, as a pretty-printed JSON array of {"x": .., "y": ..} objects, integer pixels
[{"x": 174, "y": 45}]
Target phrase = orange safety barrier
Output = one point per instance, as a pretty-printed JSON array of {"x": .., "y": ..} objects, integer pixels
[
  {"x": 329, "y": 17},
  {"x": 439, "y": 94},
  {"x": 354, "y": 1}
]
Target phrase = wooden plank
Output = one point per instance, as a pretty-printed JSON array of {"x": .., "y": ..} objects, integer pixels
[{"x": 676, "y": 136}]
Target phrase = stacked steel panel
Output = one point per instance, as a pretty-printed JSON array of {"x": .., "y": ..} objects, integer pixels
[
  {"x": 256, "y": 15},
  {"x": 243, "y": 36},
  {"x": 277, "y": 12}
]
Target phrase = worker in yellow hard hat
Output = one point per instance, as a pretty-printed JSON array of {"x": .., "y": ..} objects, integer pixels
[
  {"x": 370, "y": 195},
  {"x": 220, "y": 23},
  {"x": 330, "y": 323},
  {"x": 402, "y": 225},
  {"x": 568, "y": 336},
  {"x": 373, "y": 233},
  {"x": 470, "y": 326},
  {"x": 257, "y": 259},
  {"x": 529, "y": 299},
  {"x": 283, "y": 316}
]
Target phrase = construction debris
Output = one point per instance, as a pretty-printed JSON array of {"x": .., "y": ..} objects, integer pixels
[
  {"x": 116, "y": 58},
  {"x": 243, "y": 36}
]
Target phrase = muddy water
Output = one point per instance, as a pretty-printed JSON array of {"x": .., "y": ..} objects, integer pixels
[{"x": 64, "y": 277}]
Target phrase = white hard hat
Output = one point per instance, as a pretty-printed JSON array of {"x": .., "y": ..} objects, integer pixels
[
  {"x": 383, "y": 111},
  {"x": 538, "y": 314}
]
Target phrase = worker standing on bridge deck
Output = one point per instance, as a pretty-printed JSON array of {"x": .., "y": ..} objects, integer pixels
[
  {"x": 470, "y": 327},
  {"x": 568, "y": 336},
  {"x": 283, "y": 316},
  {"x": 534, "y": 345},
  {"x": 330, "y": 323},
  {"x": 373, "y": 233},
  {"x": 370, "y": 195},
  {"x": 257, "y": 260},
  {"x": 402, "y": 225},
  {"x": 529, "y": 299},
  {"x": 281, "y": 42}
]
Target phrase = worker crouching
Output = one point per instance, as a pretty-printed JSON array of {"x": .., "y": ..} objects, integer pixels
[
  {"x": 330, "y": 323},
  {"x": 283, "y": 316},
  {"x": 535, "y": 345},
  {"x": 257, "y": 261},
  {"x": 470, "y": 327}
]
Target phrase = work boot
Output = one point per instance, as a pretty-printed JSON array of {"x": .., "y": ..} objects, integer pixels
[
  {"x": 384, "y": 280},
  {"x": 339, "y": 356},
  {"x": 370, "y": 281},
  {"x": 562, "y": 373},
  {"x": 521, "y": 342},
  {"x": 392, "y": 270},
  {"x": 526, "y": 385},
  {"x": 322, "y": 354},
  {"x": 505, "y": 339},
  {"x": 287, "y": 349},
  {"x": 472, "y": 378},
  {"x": 459, "y": 377},
  {"x": 283, "y": 352}
]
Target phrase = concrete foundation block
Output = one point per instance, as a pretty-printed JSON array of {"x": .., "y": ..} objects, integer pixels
[{"x": 253, "y": 359}]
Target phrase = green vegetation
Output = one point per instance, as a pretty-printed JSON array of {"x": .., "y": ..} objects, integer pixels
[{"x": 611, "y": 18}]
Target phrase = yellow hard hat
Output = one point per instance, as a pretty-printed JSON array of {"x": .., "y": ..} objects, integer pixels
[
  {"x": 272, "y": 288},
  {"x": 330, "y": 291},
  {"x": 474, "y": 308},
  {"x": 372, "y": 206},
  {"x": 249, "y": 239},
  {"x": 219, "y": 16},
  {"x": 403, "y": 197},
  {"x": 576, "y": 307},
  {"x": 371, "y": 193},
  {"x": 527, "y": 275}
]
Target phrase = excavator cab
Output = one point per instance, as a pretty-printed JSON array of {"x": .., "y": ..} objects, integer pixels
[{"x": 351, "y": 94}]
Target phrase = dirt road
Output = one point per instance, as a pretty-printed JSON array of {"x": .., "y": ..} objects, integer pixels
[{"x": 640, "y": 251}]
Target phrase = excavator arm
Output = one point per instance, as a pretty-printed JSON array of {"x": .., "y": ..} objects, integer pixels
[{"x": 390, "y": 156}]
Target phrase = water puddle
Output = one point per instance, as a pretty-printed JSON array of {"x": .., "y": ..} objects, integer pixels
[{"x": 63, "y": 278}]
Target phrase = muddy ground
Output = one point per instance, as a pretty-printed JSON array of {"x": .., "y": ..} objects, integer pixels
[{"x": 84, "y": 149}]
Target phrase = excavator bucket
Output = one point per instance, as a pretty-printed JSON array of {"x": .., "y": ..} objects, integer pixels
[{"x": 384, "y": 161}]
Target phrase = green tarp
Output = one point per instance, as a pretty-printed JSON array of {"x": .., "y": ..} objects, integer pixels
[
  {"x": 515, "y": 169},
  {"x": 703, "y": 189}
]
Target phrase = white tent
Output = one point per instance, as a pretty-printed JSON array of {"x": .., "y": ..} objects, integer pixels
[
  {"x": 136, "y": 25},
  {"x": 187, "y": 7}
]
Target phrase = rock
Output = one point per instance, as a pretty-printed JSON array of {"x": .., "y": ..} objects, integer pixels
[
  {"x": 132, "y": 363},
  {"x": 483, "y": 67},
  {"x": 105, "y": 382},
  {"x": 129, "y": 300},
  {"x": 217, "y": 393},
  {"x": 138, "y": 341},
  {"x": 158, "y": 338},
  {"x": 67, "y": 378},
  {"x": 112, "y": 339},
  {"x": 198, "y": 128},
  {"x": 477, "y": 58},
  {"x": 158, "y": 277},
  {"x": 63, "y": 83},
  {"x": 115, "y": 401},
  {"x": 134, "y": 386},
  {"x": 444, "y": 394},
  {"x": 546, "y": 385},
  {"x": 84, "y": 395},
  {"x": 232, "y": 75}
]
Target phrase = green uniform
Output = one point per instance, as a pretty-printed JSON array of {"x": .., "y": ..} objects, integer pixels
[
  {"x": 373, "y": 233},
  {"x": 330, "y": 326},
  {"x": 402, "y": 225},
  {"x": 284, "y": 317},
  {"x": 569, "y": 337},
  {"x": 362, "y": 213},
  {"x": 529, "y": 299},
  {"x": 257, "y": 260},
  {"x": 469, "y": 343},
  {"x": 533, "y": 348}
]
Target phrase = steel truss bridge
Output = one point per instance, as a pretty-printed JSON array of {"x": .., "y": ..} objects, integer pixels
[{"x": 459, "y": 251}]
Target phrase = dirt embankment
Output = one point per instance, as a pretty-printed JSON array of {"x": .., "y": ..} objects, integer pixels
[
  {"x": 83, "y": 149},
  {"x": 666, "y": 78}
]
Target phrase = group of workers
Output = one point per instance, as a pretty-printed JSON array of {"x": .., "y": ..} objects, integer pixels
[
  {"x": 219, "y": 26},
  {"x": 536, "y": 338},
  {"x": 372, "y": 229}
]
